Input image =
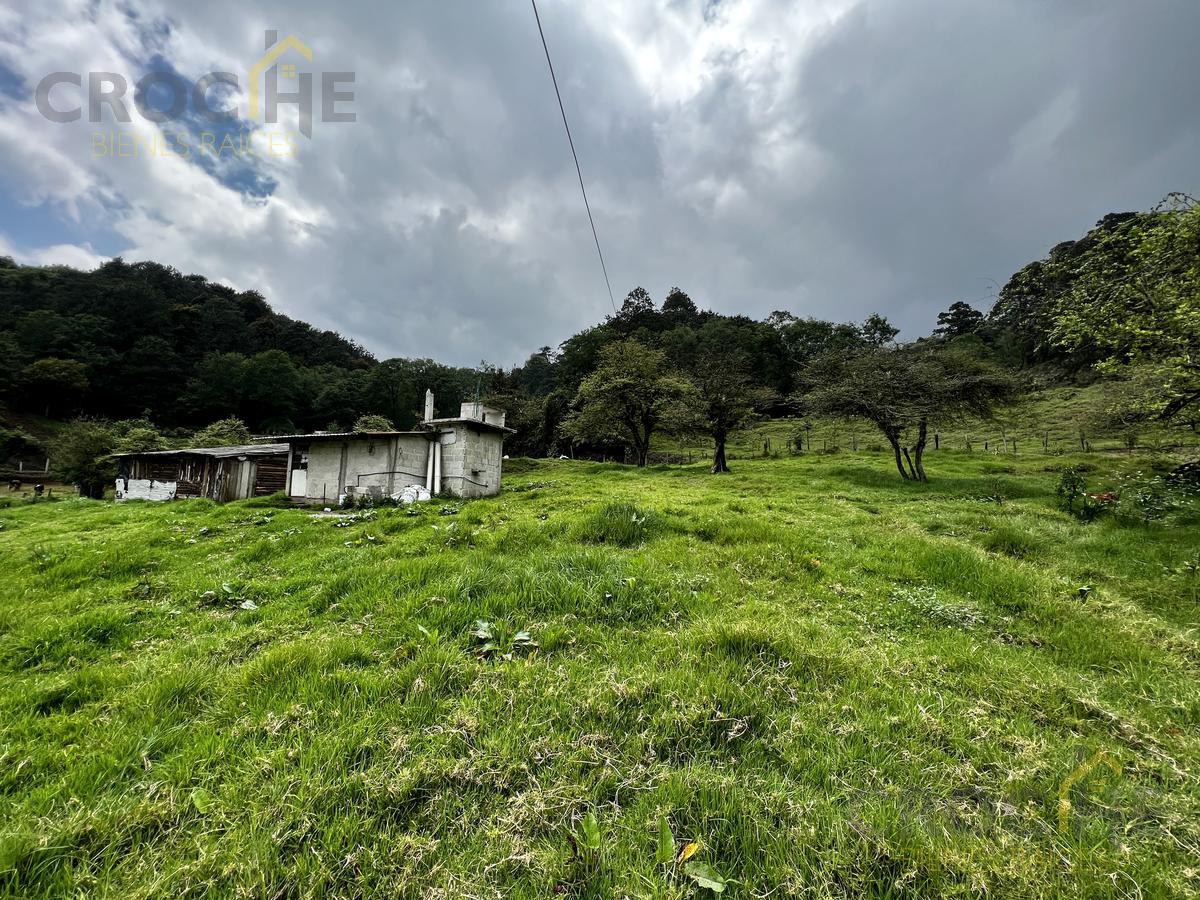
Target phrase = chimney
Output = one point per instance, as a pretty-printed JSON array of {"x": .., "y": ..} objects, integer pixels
[{"x": 428, "y": 405}]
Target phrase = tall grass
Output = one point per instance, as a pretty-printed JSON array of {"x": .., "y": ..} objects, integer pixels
[{"x": 836, "y": 684}]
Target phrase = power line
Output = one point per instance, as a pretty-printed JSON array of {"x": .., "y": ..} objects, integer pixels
[{"x": 575, "y": 156}]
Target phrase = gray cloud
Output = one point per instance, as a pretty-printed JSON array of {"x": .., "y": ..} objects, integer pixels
[{"x": 828, "y": 158}]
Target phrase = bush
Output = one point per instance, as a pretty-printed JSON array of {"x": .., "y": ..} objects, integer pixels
[
  {"x": 222, "y": 433},
  {"x": 1071, "y": 487},
  {"x": 137, "y": 436},
  {"x": 82, "y": 456},
  {"x": 373, "y": 423},
  {"x": 1156, "y": 498}
]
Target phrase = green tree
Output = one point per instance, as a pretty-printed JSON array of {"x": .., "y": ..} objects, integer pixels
[
  {"x": 1141, "y": 308},
  {"x": 217, "y": 386},
  {"x": 81, "y": 455},
  {"x": 630, "y": 396},
  {"x": 371, "y": 422},
  {"x": 637, "y": 314},
  {"x": 340, "y": 398},
  {"x": 271, "y": 390},
  {"x": 149, "y": 375},
  {"x": 727, "y": 399},
  {"x": 11, "y": 360},
  {"x": 229, "y": 432},
  {"x": 137, "y": 436},
  {"x": 806, "y": 339},
  {"x": 904, "y": 391},
  {"x": 1022, "y": 323},
  {"x": 877, "y": 331},
  {"x": 537, "y": 375},
  {"x": 960, "y": 319},
  {"x": 679, "y": 308},
  {"x": 55, "y": 385}
]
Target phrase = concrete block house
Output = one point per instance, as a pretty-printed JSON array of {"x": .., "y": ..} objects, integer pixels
[{"x": 460, "y": 456}]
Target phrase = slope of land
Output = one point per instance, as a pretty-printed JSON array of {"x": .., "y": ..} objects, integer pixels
[
  {"x": 834, "y": 682},
  {"x": 1055, "y": 419}
]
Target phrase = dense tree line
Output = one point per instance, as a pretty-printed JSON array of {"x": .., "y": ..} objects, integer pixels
[
  {"x": 142, "y": 340},
  {"x": 716, "y": 371},
  {"x": 136, "y": 344}
]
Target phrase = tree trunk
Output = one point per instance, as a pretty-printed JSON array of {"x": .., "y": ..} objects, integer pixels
[
  {"x": 922, "y": 436},
  {"x": 911, "y": 469},
  {"x": 719, "y": 465},
  {"x": 643, "y": 441},
  {"x": 895, "y": 442}
]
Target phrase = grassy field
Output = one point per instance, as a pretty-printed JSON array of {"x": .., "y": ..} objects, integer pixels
[
  {"x": 1057, "y": 419},
  {"x": 831, "y": 682}
]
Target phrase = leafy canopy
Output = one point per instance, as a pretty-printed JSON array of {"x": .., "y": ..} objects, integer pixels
[
  {"x": 372, "y": 422},
  {"x": 631, "y": 394},
  {"x": 223, "y": 433},
  {"x": 1141, "y": 308}
]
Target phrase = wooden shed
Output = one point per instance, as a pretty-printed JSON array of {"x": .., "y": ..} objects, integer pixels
[{"x": 218, "y": 473}]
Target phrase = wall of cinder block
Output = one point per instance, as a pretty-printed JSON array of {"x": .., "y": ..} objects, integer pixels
[
  {"x": 385, "y": 463},
  {"x": 471, "y": 465},
  {"x": 471, "y": 462}
]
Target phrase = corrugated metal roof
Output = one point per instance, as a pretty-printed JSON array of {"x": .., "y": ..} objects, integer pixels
[
  {"x": 217, "y": 452},
  {"x": 366, "y": 435},
  {"x": 474, "y": 423},
  {"x": 343, "y": 435}
]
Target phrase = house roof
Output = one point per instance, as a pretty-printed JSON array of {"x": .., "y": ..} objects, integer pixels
[
  {"x": 435, "y": 425},
  {"x": 216, "y": 452},
  {"x": 474, "y": 423},
  {"x": 343, "y": 435}
]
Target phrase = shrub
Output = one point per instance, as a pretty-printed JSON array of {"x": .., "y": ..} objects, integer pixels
[
  {"x": 373, "y": 423},
  {"x": 1071, "y": 487},
  {"x": 223, "y": 433},
  {"x": 1156, "y": 498},
  {"x": 82, "y": 456}
]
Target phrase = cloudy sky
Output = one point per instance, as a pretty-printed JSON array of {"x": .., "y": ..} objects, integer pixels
[{"x": 828, "y": 157}]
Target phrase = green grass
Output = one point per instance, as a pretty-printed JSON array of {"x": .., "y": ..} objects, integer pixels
[
  {"x": 837, "y": 683},
  {"x": 1052, "y": 419}
]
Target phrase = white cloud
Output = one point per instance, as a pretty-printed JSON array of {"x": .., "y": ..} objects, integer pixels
[
  {"x": 66, "y": 255},
  {"x": 831, "y": 158}
]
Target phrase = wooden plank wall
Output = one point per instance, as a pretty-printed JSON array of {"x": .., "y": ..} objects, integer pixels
[
  {"x": 204, "y": 476},
  {"x": 271, "y": 475}
]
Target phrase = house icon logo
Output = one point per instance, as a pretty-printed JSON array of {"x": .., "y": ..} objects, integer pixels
[
  {"x": 279, "y": 63},
  {"x": 275, "y": 48}
]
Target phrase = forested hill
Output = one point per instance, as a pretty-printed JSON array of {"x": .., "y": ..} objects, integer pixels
[{"x": 142, "y": 341}]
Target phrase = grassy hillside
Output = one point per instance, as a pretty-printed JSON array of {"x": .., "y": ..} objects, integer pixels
[
  {"x": 1052, "y": 419},
  {"x": 835, "y": 683}
]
